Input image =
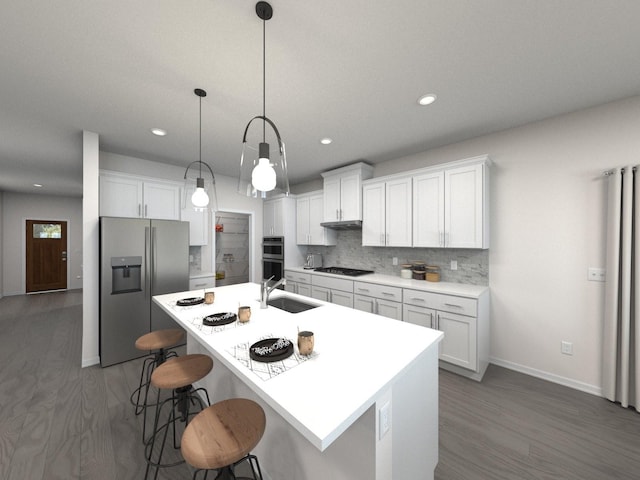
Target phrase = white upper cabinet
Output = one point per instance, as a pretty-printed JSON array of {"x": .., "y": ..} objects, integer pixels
[
  {"x": 450, "y": 206},
  {"x": 273, "y": 217},
  {"x": 386, "y": 219},
  {"x": 428, "y": 209},
  {"x": 138, "y": 197},
  {"x": 343, "y": 192},
  {"x": 309, "y": 215}
]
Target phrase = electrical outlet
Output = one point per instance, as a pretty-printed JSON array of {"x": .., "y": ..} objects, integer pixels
[
  {"x": 566, "y": 347},
  {"x": 596, "y": 274},
  {"x": 384, "y": 420},
  {"x": 394, "y": 260},
  {"x": 454, "y": 264}
]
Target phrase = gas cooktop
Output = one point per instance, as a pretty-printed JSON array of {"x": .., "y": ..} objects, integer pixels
[{"x": 351, "y": 272}]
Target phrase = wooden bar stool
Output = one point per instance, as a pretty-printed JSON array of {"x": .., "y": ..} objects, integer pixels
[
  {"x": 177, "y": 375},
  {"x": 221, "y": 436},
  {"x": 158, "y": 343}
]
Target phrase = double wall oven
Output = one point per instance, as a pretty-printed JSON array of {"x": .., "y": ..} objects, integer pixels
[{"x": 273, "y": 257}]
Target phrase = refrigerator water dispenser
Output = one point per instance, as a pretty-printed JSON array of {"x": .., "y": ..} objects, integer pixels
[{"x": 126, "y": 274}]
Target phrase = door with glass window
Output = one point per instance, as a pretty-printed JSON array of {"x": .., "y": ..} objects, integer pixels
[{"x": 46, "y": 249}]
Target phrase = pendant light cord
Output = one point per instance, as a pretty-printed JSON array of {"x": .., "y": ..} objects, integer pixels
[
  {"x": 200, "y": 142},
  {"x": 264, "y": 76}
]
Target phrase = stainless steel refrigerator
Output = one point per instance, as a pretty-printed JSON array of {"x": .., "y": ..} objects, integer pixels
[{"x": 139, "y": 258}]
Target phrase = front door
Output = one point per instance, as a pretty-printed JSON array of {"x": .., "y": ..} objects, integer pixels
[{"x": 46, "y": 255}]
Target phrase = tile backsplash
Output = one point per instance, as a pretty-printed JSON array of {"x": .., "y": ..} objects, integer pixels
[{"x": 473, "y": 264}]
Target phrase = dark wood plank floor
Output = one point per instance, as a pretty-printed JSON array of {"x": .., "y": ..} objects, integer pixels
[{"x": 59, "y": 421}]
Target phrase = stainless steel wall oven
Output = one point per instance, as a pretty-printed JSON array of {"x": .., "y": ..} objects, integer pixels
[{"x": 273, "y": 257}]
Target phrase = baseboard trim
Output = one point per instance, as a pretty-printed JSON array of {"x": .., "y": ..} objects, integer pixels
[
  {"x": 551, "y": 377},
  {"x": 89, "y": 362}
]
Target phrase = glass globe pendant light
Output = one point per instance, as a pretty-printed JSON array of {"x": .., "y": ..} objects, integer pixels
[
  {"x": 200, "y": 198},
  {"x": 263, "y": 176}
]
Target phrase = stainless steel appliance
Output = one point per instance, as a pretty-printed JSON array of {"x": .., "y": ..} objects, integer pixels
[
  {"x": 351, "y": 272},
  {"x": 273, "y": 257},
  {"x": 313, "y": 260},
  {"x": 139, "y": 258}
]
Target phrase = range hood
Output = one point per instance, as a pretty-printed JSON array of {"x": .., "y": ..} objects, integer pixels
[{"x": 343, "y": 225}]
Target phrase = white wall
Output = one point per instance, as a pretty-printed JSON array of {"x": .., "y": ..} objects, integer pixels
[
  {"x": 17, "y": 208},
  {"x": 548, "y": 225}
]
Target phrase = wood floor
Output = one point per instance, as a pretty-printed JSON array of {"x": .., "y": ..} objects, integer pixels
[{"x": 59, "y": 421}]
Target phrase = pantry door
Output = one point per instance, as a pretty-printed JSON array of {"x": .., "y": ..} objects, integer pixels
[{"x": 46, "y": 262}]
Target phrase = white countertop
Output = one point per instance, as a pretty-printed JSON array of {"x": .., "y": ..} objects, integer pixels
[
  {"x": 358, "y": 356},
  {"x": 448, "y": 288}
]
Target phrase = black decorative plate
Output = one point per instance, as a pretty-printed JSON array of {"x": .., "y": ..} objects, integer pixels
[
  {"x": 271, "y": 350},
  {"x": 218, "y": 319},
  {"x": 188, "y": 302}
]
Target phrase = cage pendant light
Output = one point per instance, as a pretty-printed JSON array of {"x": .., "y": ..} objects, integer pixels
[
  {"x": 260, "y": 175},
  {"x": 204, "y": 196}
]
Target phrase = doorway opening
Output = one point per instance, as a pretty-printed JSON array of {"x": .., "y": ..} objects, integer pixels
[
  {"x": 232, "y": 258},
  {"x": 46, "y": 255}
]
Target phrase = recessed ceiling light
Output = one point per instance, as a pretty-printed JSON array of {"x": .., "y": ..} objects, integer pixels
[
  {"x": 159, "y": 132},
  {"x": 326, "y": 141},
  {"x": 37, "y": 185},
  {"x": 427, "y": 99}
]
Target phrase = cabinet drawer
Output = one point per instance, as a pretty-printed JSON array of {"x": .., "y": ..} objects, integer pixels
[
  {"x": 297, "y": 277},
  {"x": 383, "y": 292},
  {"x": 438, "y": 301},
  {"x": 332, "y": 283},
  {"x": 202, "y": 282}
]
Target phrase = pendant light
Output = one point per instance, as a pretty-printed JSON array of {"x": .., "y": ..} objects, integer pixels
[
  {"x": 200, "y": 198},
  {"x": 262, "y": 176}
]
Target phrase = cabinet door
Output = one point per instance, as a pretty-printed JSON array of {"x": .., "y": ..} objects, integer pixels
[
  {"x": 302, "y": 221},
  {"x": 366, "y": 304},
  {"x": 273, "y": 218},
  {"x": 389, "y": 309},
  {"x": 463, "y": 207},
  {"x": 198, "y": 221},
  {"x": 350, "y": 197},
  {"x": 161, "y": 201},
  {"x": 459, "y": 343},
  {"x": 342, "y": 298},
  {"x": 291, "y": 287},
  {"x": 331, "y": 198},
  {"x": 419, "y": 315},
  {"x": 398, "y": 210},
  {"x": 428, "y": 210},
  {"x": 321, "y": 293},
  {"x": 120, "y": 197},
  {"x": 318, "y": 235},
  {"x": 304, "y": 289},
  {"x": 373, "y": 214}
]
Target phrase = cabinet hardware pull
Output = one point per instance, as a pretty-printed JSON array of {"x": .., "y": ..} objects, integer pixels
[
  {"x": 139, "y": 207},
  {"x": 337, "y": 214},
  {"x": 200, "y": 284},
  {"x": 146, "y": 215},
  {"x": 453, "y": 305},
  {"x": 387, "y": 293},
  {"x": 417, "y": 299},
  {"x": 363, "y": 289}
]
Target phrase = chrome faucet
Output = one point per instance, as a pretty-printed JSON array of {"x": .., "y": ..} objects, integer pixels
[{"x": 265, "y": 289}]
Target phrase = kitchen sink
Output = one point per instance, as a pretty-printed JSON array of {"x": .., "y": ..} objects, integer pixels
[{"x": 290, "y": 305}]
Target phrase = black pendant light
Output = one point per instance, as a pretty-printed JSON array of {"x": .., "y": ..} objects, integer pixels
[
  {"x": 200, "y": 198},
  {"x": 261, "y": 176}
]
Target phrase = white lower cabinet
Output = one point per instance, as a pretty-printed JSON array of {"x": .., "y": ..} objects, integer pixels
[
  {"x": 299, "y": 283},
  {"x": 197, "y": 283},
  {"x": 379, "y": 299},
  {"x": 464, "y": 322},
  {"x": 333, "y": 290}
]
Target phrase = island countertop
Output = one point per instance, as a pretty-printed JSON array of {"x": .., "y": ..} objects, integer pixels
[{"x": 357, "y": 355}]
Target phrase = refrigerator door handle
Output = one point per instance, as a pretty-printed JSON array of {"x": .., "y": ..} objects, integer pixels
[
  {"x": 147, "y": 261},
  {"x": 154, "y": 258}
]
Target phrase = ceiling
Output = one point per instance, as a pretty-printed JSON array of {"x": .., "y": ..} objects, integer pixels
[{"x": 349, "y": 70}]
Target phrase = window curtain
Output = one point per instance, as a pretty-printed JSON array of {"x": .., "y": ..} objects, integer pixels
[{"x": 621, "y": 342}]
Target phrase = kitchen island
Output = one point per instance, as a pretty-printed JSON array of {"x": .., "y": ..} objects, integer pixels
[{"x": 364, "y": 405}]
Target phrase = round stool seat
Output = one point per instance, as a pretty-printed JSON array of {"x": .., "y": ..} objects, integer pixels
[
  {"x": 160, "y": 339},
  {"x": 223, "y": 433},
  {"x": 181, "y": 371}
]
